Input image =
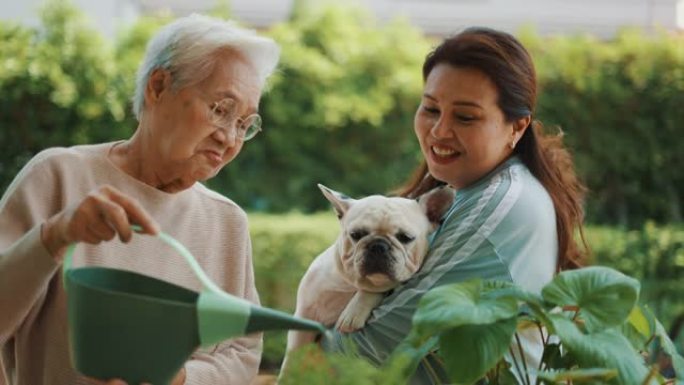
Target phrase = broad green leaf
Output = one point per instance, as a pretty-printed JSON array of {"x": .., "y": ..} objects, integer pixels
[
  {"x": 607, "y": 349},
  {"x": 469, "y": 351},
  {"x": 635, "y": 338},
  {"x": 671, "y": 350},
  {"x": 605, "y": 296},
  {"x": 501, "y": 374},
  {"x": 465, "y": 303},
  {"x": 539, "y": 313},
  {"x": 640, "y": 327},
  {"x": 643, "y": 321},
  {"x": 411, "y": 352},
  {"x": 577, "y": 375},
  {"x": 505, "y": 375},
  {"x": 498, "y": 289}
]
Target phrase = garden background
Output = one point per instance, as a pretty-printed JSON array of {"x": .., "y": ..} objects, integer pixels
[{"x": 339, "y": 111}]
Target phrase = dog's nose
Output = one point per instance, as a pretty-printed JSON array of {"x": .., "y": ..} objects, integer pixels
[
  {"x": 378, "y": 247},
  {"x": 378, "y": 258}
]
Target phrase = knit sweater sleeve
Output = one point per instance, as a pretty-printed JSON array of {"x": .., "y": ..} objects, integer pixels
[
  {"x": 25, "y": 264},
  {"x": 235, "y": 361}
]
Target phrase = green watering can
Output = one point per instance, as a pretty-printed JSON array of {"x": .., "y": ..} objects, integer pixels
[{"x": 141, "y": 329}]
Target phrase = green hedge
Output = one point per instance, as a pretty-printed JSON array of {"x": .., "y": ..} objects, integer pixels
[
  {"x": 654, "y": 255},
  {"x": 285, "y": 245},
  {"x": 342, "y": 103},
  {"x": 619, "y": 104}
]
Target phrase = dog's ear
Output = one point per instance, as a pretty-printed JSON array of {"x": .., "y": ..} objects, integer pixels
[
  {"x": 436, "y": 202},
  {"x": 340, "y": 202}
]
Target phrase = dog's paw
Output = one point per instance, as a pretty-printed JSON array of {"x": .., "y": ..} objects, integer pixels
[
  {"x": 352, "y": 319},
  {"x": 357, "y": 312}
]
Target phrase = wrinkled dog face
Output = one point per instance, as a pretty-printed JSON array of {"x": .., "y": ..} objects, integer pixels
[{"x": 383, "y": 240}]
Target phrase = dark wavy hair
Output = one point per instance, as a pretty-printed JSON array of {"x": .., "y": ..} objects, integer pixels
[{"x": 507, "y": 63}]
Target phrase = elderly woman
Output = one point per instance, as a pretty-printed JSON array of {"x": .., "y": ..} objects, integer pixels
[{"x": 196, "y": 101}]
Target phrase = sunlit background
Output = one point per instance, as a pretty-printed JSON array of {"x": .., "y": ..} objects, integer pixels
[
  {"x": 339, "y": 111},
  {"x": 602, "y": 18}
]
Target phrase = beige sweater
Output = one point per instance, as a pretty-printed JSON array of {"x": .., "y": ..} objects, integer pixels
[{"x": 33, "y": 318}]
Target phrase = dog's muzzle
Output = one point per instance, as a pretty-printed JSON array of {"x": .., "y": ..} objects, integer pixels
[{"x": 378, "y": 258}]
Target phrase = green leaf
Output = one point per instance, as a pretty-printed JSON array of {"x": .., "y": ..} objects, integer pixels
[
  {"x": 537, "y": 311},
  {"x": 640, "y": 327},
  {"x": 505, "y": 375},
  {"x": 604, "y": 349},
  {"x": 411, "y": 352},
  {"x": 577, "y": 375},
  {"x": 605, "y": 297},
  {"x": 465, "y": 303},
  {"x": 485, "y": 346},
  {"x": 552, "y": 357},
  {"x": 671, "y": 350},
  {"x": 643, "y": 321}
]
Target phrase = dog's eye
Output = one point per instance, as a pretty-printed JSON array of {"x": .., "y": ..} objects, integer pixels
[
  {"x": 358, "y": 234},
  {"x": 404, "y": 238}
]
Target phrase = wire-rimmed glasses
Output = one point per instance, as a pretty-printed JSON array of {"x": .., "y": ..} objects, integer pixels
[{"x": 224, "y": 114}]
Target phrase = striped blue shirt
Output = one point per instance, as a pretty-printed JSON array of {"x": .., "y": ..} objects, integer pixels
[{"x": 502, "y": 227}]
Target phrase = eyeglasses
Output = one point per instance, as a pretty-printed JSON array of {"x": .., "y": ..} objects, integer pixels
[{"x": 224, "y": 114}]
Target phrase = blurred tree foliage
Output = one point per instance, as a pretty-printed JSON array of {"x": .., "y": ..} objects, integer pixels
[
  {"x": 339, "y": 110},
  {"x": 56, "y": 88},
  {"x": 620, "y": 104},
  {"x": 128, "y": 53}
]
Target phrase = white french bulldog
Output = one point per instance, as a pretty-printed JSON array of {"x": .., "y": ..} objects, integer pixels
[{"x": 382, "y": 243}]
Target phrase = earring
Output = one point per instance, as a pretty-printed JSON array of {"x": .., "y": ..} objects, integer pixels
[{"x": 512, "y": 145}]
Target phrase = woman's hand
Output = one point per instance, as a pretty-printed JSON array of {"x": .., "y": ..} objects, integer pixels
[{"x": 104, "y": 213}]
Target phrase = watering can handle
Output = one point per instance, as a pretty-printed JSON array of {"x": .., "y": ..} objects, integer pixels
[{"x": 207, "y": 283}]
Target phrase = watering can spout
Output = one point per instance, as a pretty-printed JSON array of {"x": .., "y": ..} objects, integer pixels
[
  {"x": 262, "y": 319},
  {"x": 222, "y": 316}
]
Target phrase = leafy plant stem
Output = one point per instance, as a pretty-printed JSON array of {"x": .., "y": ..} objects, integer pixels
[
  {"x": 522, "y": 358},
  {"x": 650, "y": 339},
  {"x": 651, "y": 374},
  {"x": 496, "y": 373},
  {"x": 431, "y": 372},
  {"x": 545, "y": 341},
  {"x": 515, "y": 363},
  {"x": 576, "y": 309}
]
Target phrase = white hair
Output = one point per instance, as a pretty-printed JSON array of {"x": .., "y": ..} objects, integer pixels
[{"x": 187, "y": 46}]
